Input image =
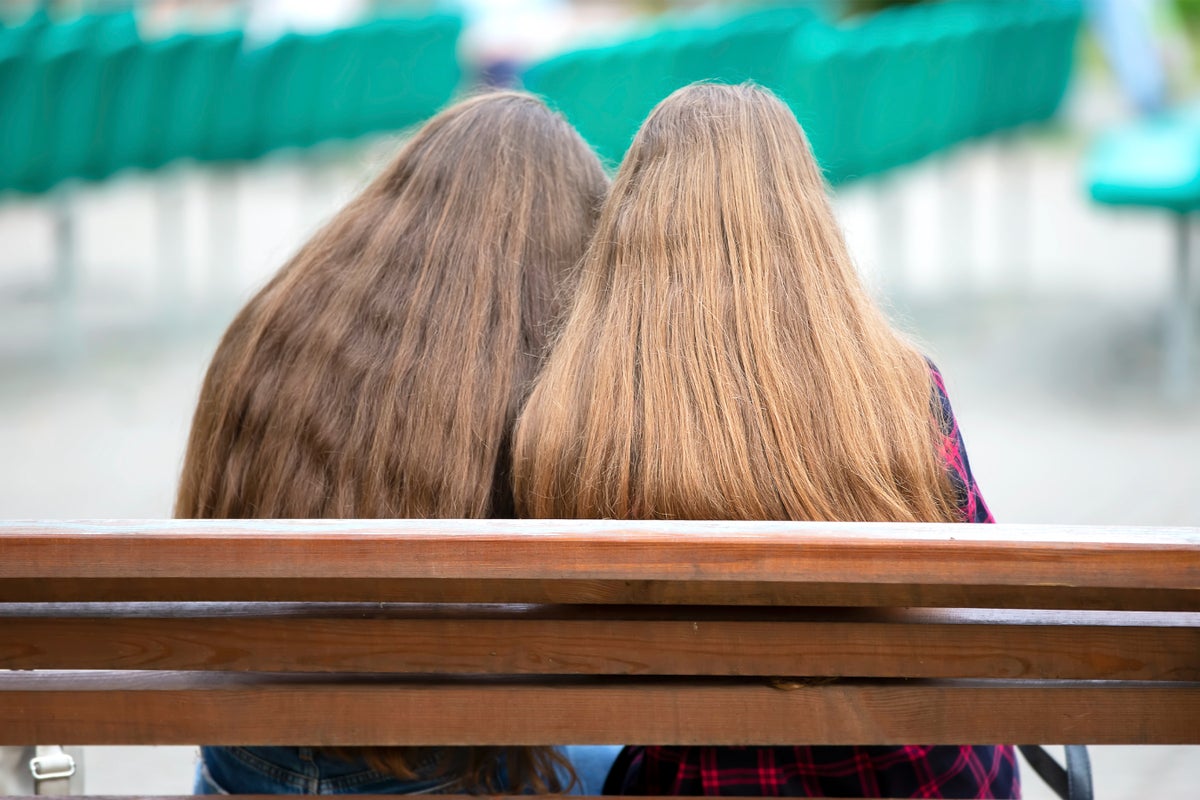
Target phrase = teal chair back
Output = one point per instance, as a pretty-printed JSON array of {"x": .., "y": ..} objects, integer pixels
[
  {"x": 36, "y": 118},
  {"x": 195, "y": 89},
  {"x": 607, "y": 91},
  {"x": 412, "y": 70},
  {"x": 89, "y": 97}
]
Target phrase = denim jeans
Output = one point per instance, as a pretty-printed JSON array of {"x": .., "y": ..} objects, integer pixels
[
  {"x": 591, "y": 763},
  {"x": 299, "y": 770},
  {"x": 307, "y": 770}
]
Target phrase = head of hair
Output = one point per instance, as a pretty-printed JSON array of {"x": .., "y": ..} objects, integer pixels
[
  {"x": 722, "y": 359},
  {"x": 379, "y": 373}
]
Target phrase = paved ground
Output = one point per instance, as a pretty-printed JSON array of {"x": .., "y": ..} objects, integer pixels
[{"x": 1042, "y": 311}]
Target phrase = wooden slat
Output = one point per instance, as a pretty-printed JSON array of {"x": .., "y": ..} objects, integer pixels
[
  {"x": 612, "y": 550},
  {"x": 186, "y": 708},
  {"x": 712, "y": 557},
  {"x": 745, "y": 593},
  {"x": 607, "y": 640}
]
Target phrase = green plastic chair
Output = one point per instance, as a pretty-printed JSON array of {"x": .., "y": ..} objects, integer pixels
[
  {"x": 1154, "y": 163},
  {"x": 17, "y": 100},
  {"x": 142, "y": 102},
  {"x": 39, "y": 100},
  {"x": 894, "y": 93},
  {"x": 959, "y": 70},
  {"x": 276, "y": 110},
  {"x": 607, "y": 92},
  {"x": 293, "y": 105},
  {"x": 585, "y": 85},
  {"x": 230, "y": 131},
  {"x": 101, "y": 79},
  {"x": 50, "y": 81},
  {"x": 196, "y": 86},
  {"x": 817, "y": 64},
  {"x": 1054, "y": 58},
  {"x": 339, "y": 89},
  {"x": 412, "y": 71}
]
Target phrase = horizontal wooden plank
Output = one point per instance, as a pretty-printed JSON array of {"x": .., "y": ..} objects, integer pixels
[
  {"x": 609, "y": 550},
  {"x": 196, "y": 707},
  {"x": 664, "y": 562},
  {"x": 515, "y": 640},
  {"x": 744, "y": 593}
]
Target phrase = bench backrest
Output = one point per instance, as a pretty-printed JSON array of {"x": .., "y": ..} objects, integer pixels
[{"x": 523, "y": 632}]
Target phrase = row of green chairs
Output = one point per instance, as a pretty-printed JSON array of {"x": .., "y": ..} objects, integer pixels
[
  {"x": 607, "y": 91},
  {"x": 873, "y": 93},
  {"x": 909, "y": 82},
  {"x": 88, "y": 98}
]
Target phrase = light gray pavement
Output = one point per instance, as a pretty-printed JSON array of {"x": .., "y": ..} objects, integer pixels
[{"x": 1042, "y": 311}]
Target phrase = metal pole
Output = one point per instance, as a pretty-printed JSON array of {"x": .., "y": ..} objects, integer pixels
[
  {"x": 68, "y": 338},
  {"x": 172, "y": 266},
  {"x": 1179, "y": 333},
  {"x": 1016, "y": 202},
  {"x": 957, "y": 223},
  {"x": 223, "y": 236},
  {"x": 889, "y": 213}
]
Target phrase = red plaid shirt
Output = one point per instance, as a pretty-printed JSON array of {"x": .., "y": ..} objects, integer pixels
[{"x": 892, "y": 771}]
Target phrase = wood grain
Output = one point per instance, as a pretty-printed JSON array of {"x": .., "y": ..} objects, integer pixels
[
  {"x": 710, "y": 558},
  {"x": 745, "y": 593},
  {"x": 590, "y": 550},
  {"x": 186, "y": 708},
  {"x": 516, "y": 640}
]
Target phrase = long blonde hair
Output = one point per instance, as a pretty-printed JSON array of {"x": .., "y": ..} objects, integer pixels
[
  {"x": 380, "y": 372},
  {"x": 722, "y": 359}
]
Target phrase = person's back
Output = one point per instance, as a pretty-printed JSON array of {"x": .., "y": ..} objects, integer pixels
[
  {"x": 722, "y": 361},
  {"x": 378, "y": 376}
]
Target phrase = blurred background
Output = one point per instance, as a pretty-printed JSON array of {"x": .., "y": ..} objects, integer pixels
[{"x": 1018, "y": 181}]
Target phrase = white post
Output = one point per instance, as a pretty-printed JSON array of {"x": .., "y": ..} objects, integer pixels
[
  {"x": 172, "y": 261},
  {"x": 223, "y": 237},
  {"x": 1016, "y": 211},
  {"x": 957, "y": 223},
  {"x": 1179, "y": 330},
  {"x": 891, "y": 240},
  {"x": 68, "y": 328}
]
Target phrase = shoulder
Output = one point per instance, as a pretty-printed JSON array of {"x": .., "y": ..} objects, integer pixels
[
  {"x": 953, "y": 452},
  {"x": 940, "y": 401}
]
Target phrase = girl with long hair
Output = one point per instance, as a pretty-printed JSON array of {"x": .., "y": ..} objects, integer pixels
[
  {"x": 722, "y": 360},
  {"x": 378, "y": 374}
]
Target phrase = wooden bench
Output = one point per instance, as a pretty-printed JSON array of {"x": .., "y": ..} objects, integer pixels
[{"x": 548, "y": 632}]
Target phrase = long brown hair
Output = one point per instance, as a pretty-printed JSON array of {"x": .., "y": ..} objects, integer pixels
[
  {"x": 379, "y": 373},
  {"x": 722, "y": 359}
]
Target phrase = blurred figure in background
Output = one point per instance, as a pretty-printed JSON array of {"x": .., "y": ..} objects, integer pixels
[
  {"x": 1126, "y": 30},
  {"x": 378, "y": 376},
  {"x": 504, "y": 34}
]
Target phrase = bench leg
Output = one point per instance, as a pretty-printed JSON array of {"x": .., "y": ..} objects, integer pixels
[
  {"x": 892, "y": 241},
  {"x": 223, "y": 237},
  {"x": 1015, "y": 214},
  {"x": 68, "y": 327},
  {"x": 171, "y": 251},
  {"x": 1179, "y": 334}
]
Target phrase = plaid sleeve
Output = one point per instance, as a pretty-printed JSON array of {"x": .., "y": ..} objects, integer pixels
[{"x": 954, "y": 453}]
